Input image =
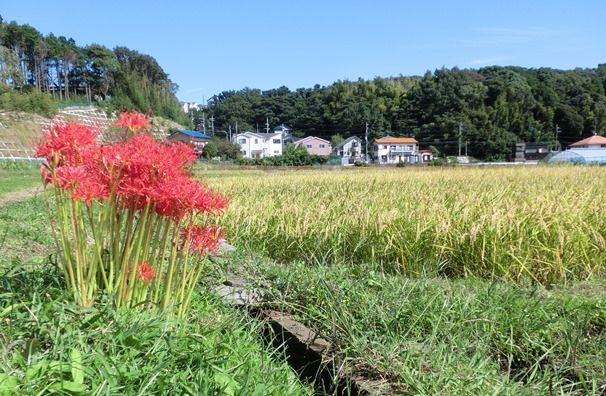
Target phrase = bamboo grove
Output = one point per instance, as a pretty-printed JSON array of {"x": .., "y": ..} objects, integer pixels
[{"x": 55, "y": 68}]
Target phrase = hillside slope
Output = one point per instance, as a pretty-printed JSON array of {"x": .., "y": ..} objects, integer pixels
[{"x": 19, "y": 131}]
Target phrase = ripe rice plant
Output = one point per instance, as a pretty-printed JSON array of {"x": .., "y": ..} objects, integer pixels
[{"x": 537, "y": 224}]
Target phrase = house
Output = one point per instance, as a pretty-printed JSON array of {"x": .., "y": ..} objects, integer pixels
[
  {"x": 315, "y": 145},
  {"x": 592, "y": 142},
  {"x": 591, "y": 150},
  {"x": 196, "y": 139},
  {"x": 425, "y": 156},
  {"x": 349, "y": 150},
  {"x": 530, "y": 152},
  {"x": 394, "y": 150},
  {"x": 287, "y": 136},
  {"x": 188, "y": 106},
  {"x": 259, "y": 145}
]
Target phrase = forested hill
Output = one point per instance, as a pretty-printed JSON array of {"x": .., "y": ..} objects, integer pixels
[
  {"x": 38, "y": 70},
  {"x": 495, "y": 106}
]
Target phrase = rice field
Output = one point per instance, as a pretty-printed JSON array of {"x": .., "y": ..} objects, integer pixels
[{"x": 529, "y": 224}]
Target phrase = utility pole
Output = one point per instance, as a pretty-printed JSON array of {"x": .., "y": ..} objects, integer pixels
[
  {"x": 203, "y": 123},
  {"x": 229, "y": 133},
  {"x": 460, "y": 131},
  {"x": 366, "y": 145},
  {"x": 266, "y": 124},
  {"x": 557, "y": 132},
  {"x": 466, "y": 147},
  {"x": 236, "y": 127},
  {"x": 212, "y": 125}
]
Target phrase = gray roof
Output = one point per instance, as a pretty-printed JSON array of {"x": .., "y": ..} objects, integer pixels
[
  {"x": 282, "y": 127},
  {"x": 259, "y": 135}
]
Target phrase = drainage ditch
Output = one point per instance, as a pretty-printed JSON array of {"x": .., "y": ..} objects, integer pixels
[{"x": 311, "y": 356}]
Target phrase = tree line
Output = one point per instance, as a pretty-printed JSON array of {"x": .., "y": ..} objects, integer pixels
[
  {"x": 119, "y": 78},
  {"x": 486, "y": 110}
]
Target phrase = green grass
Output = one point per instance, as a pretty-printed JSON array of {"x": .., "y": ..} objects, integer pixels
[
  {"x": 50, "y": 346},
  {"x": 17, "y": 175},
  {"x": 456, "y": 337}
]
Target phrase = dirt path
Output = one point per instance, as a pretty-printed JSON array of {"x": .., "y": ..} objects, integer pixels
[{"x": 20, "y": 195}]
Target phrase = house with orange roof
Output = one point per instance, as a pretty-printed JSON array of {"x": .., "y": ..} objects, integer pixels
[
  {"x": 592, "y": 142},
  {"x": 397, "y": 150}
]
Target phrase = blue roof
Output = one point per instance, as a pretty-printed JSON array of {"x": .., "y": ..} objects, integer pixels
[
  {"x": 194, "y": 134},
  {"x": 581, "y": 155}
]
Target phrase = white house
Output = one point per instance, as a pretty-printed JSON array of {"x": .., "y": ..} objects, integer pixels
[
  {"x": 349, "y": 150},
  {"x": 394, "y": 150},
  {"x": 592, "y": 142},
  {"x": 259, "y": 145},
  {"x": 187, "y": 106},
  {"x": 286, "y": 131}
]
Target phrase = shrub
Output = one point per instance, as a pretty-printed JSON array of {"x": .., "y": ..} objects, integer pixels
[{"x": 31, "y": 101}]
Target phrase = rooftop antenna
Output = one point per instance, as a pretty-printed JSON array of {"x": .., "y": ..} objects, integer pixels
[{"x": 266, "y": 124}]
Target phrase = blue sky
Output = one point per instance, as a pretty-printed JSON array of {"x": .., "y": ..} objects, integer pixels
[{"x": 211, "y": 46}]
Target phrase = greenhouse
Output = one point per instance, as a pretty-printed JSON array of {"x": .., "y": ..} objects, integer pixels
[{"x": 581, "y": 156}]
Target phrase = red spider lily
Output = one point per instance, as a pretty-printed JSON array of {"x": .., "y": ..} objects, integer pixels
[
  {"x": 64, "y": 144},
  {"x": 83, "y": 182},
  {"x": 145, "y": 272},
  {"x": 181, "y": 195},
  {"x": 134, "y": 181},
  {"x": 133, "y": 121},
  {"x": 202, "y": 240},
  {"x": 46, "y": 175}
]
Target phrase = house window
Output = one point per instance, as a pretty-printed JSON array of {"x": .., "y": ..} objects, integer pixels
[
  {"x": 308, "y": 145},
  {"x": 256, "y": 141},
  {"x": 354, "y": 144},
  {"x": 409, "y": 147},
  {"x": 393, "y": 147},
  {"x": 385, "y": 146},
  {"x": 322, "y": 145},
  {"x": 242, "y": 141},
  {"x": 277, "y": 141},
  {"x": 276, "y": 151}
]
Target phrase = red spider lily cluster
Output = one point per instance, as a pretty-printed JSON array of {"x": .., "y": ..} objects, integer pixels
[
  {"x": 202, "y": 240},
  {"x": 140, "y": 172},
  {"x": 139, "y": 200},
  {"x": 133, "y": 121}
]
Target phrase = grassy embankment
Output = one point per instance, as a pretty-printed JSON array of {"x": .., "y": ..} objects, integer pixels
[
  {"x": 18, "y": 175},
  {"x": 447, "y": 281},
  {"x": 50, "y": 346}
]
